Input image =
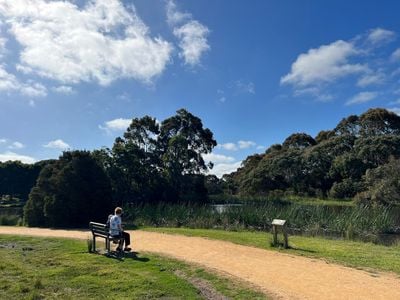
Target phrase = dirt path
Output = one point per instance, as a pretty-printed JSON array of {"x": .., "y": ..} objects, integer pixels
[{"x": 282, "y": 275}]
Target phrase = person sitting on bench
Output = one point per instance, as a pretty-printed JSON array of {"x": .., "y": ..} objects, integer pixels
[{"x": 117, "y": 231}]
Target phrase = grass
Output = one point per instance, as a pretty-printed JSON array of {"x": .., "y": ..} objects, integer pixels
[
  {"x": 320, "y": 202},
  {"x": 290, "y": 199},
  {"x": 350, "y": 253},
  {"x": 44, "y": 268}
]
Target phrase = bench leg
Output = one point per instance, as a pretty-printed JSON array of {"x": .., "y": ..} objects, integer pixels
[
  {"x": 94, "y": 244},
  {"x": 108, "y": 246}
]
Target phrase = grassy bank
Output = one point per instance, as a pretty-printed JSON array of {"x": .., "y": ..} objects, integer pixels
[
  {"x": 43, "y": 268},
  {"x": 349, "y": 253}
]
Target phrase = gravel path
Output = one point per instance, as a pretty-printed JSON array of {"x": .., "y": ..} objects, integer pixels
[{"x": 281, "y": 275}]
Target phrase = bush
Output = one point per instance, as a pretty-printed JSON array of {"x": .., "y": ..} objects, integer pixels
[
  {"x": 383, "y": 185},
  {"x": 9, "y": 220},
  {"x": 345, "y": 189}
]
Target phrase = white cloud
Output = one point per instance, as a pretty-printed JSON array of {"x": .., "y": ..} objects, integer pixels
[
  {"x": 174, "y": 16},
  {"x": 260, "y": 147},
  {"x": 3, "y": 41},
  {"x": 2, "y": 141},
  {"x": 57, "y": 144},
  {"x": 192, "y": 34},
  {"x": 64, "y": 89},
  {"x": 314, "y": 92},
  {"x": 223, "y": 168},
  {"x": 237, "y": 146},
  {"x": 9, "y": 83},
  {"x": 102, "y": 41},
  {"x": 395, "y": 55},
  {"x": 370, "y": 79},
  {"x": 228, "y": 146},
  {"x": 362, "y": 97},
  {"x": 246, "y": 144},
  {"x": 116, "y": 124},
  {"x": 33, "y": 89},
  {"x": 14, "y": 156},
  {"x": 217, "y": 158},
  {"x": 245, "y": 87},
  {"x": 16, "y": 145},
  {"x": 193, "y": 41},
  {"x": 380, "y": 36},
  {"x": 322, "y": 65}
]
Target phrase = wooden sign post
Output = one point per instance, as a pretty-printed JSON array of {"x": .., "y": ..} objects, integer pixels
[{"x": 276, "y": 223}]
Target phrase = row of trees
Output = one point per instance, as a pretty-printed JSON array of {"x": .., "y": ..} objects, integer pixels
[
  {"x": 163, "y": 162},
  {"x": 338, "y": 163},
  {"x": 17, "y": 178},
  {"x": 152, "y": 162}
]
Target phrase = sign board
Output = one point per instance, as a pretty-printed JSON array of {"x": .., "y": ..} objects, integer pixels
[{"x": 278, "y": 222}]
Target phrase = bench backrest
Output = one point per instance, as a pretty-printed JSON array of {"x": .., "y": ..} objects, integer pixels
[{"x": 99, "y": 229}]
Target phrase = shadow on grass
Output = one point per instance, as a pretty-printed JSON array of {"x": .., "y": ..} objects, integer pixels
[
  {"x": 301, "y": 249},
  {"x": 125, "y": 255},
  {"x": 281, "y": 246}
]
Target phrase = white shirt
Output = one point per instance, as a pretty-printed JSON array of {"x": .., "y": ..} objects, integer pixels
[{"x": 115, "y": 225}]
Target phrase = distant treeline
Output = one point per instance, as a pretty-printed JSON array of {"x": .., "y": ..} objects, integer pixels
[
  {"x": 157, "y": 162},
  {"x": 358, "y": 159},
  {"x": 17, "y": 179}
]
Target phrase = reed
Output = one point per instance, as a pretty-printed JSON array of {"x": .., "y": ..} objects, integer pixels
[{"x": 345, "y": 221}]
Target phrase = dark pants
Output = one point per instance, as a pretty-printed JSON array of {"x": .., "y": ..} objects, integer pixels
[{"x": 127, "y": 238}]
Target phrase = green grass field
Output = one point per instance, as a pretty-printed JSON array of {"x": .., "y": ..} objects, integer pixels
[
  {"x": 43, "y": 268},
  {"x": 350, "y": 253}
]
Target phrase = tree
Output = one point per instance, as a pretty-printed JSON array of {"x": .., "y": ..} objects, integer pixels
[
  {"x": 298, "y": 141},
  {"x": 183, "y": 141},
  {"x": 333, "y": 163},
  {"x": 324, "y": 135},
  {"x": 348, "y": 126},
  {"x": 379, "y": 121},
  {"x": 383, "y": 185},
  {"x": 214, "y": 185},
  {"x": 69, "y": 193},
  {"x": 17, "y": 178},
  {"x": 375, "y": 150},
  {"x": 136, "y": 164},
  {"x": 154, "y": 162}
]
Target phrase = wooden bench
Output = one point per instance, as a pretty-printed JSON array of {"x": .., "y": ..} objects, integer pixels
[{"x": 102, "y": 230}]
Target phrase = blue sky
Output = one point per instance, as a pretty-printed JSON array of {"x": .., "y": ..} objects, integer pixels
[{"x": 73, "y": 73}]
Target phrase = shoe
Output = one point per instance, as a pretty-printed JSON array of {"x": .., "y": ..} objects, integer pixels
[{"x": 127, "y": 249}]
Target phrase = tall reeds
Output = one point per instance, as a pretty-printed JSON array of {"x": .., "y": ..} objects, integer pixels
[{"x": 305, "y": 219}]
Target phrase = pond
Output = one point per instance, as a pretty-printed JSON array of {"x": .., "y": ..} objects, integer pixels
[{"x": 221, "y": 208}]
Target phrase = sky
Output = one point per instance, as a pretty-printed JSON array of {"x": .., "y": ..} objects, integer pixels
[{"x": 74, "y": 73}]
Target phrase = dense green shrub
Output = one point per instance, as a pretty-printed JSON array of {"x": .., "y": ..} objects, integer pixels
[
  {"x": 69, "y": 193},
  {"x": 383, "y": 185}
]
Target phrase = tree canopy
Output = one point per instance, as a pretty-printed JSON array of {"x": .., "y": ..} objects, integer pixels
[
  {"x": 337, "y": 163},
  {"x": 69, "y": 192}
]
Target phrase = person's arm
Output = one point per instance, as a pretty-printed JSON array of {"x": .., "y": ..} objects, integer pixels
[{"x": 120, "y": 225}]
